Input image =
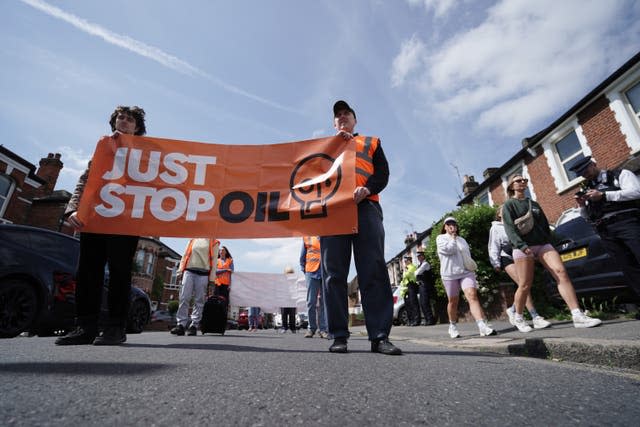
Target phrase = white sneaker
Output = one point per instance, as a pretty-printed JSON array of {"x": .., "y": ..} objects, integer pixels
[
  {"x": 486, "y": 330},
  {"x": 522, "y": 326},
  {"x": 540, "y": 323},
  {"x": 583, "y": 321},
  {"x": 453, "y": 331},
  {"x": 512, "y": 315}
]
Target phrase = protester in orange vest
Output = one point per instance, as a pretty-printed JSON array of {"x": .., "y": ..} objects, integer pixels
[
  {"x": 310, "y": 265},
  {"x": 197, "y": 268},
  {"x": 223, "y": 273},
  {"x": 372, "y": 176}
]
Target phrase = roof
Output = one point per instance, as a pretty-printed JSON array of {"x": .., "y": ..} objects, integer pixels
[{"x": 531, "y": 141}]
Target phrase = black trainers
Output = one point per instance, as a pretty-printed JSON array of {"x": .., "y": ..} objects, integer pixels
[
  {"x": 385, "y": 347},
  {"x": 192, "y": 331},
  {"x": 339, "y": 346},
  {"x": 112, "y": 335},
  {"x": 78, "y": 336},
  {"x": 178, "y": 330}
]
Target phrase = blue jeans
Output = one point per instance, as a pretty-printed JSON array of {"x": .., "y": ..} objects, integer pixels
[
  {"x": 373, "y": 277},
  {"x": 254, "y": 312},
  {"x": 315, "y": 304}
]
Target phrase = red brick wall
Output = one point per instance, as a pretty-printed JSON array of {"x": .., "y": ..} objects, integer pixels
[
  {"x": 607, "y": 144},
  {"x": 599, "y": 125}
]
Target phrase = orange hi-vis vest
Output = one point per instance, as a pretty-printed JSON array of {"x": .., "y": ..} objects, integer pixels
[
  {"x": 213, "y": 256},
  {"x": 224, "y": 278},
  {"x": 365, "y": 147},
  {"x": 312, "y": 244}
]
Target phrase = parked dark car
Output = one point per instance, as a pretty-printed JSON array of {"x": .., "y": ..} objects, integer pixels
[
  {"x": 593, "y": 272},
  {"x": 37, "y": 283}
]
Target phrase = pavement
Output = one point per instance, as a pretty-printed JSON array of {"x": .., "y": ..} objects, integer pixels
[{"x": 615, "y": 343}]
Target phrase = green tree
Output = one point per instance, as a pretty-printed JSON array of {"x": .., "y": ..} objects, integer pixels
[
  {"x": 172, "y": 306},
  {"x": 157, "y": 288}
]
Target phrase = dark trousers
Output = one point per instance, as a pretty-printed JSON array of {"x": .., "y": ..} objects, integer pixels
[
  {"x": 96, "y": 251},
  {"x": 621, "y": 239},
  {"x": 413, "y": 308},
  {"x": 288, "y": 318},
  {"x": 373, "y": 278},
  {"x": 427, "y": 293}
]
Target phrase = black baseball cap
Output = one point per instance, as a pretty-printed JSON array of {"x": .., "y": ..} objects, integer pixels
[
  {"x": 581, "y": 165},
  {"x": 342, "y": 105}
]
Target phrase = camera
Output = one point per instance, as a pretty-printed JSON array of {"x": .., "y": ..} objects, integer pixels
[{"x": 581, "y": 193}]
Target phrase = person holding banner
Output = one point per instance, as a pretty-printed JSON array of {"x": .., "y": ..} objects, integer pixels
[
  {"x": 223, "y": 273},
  {"x": 98, "y": 250},
  {"x": 372, "y": 176},
  {"x": 198, "y": 268}
]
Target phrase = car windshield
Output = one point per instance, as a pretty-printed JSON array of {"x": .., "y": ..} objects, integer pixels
[{"x": 575, "y": 229}]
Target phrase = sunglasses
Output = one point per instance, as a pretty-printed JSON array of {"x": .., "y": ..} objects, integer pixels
[
  {"x": 521, "y": 180},
  {"x": 450, "y": 223}
]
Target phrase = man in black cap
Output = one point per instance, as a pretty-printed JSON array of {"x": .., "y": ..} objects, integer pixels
[
  {"x": 611, "y": 202},
  {"x": 372, "y": 176},
  {"x": 426, "y": 288}
]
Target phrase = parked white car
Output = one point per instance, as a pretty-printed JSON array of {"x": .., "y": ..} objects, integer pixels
[{"x": 400, "y": 316}]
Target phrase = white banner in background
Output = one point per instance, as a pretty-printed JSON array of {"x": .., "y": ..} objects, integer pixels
[{"x": 269, "y": 291}]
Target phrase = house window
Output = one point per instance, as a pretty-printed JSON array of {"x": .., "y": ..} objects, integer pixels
[
  {"x": 6, "y": 189},
  {"x": 569, "y": 152},
  {"x": 150, "y": 262},
  {"x": 633, "y": 95},
  {"x": 483, "y": 199}
]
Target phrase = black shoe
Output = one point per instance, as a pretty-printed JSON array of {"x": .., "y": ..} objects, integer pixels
[
  {"x": 385, "y": 347},
  {"x": 178, "y": 330},
  {"x": 430, "y": 323},
  {"x": 78, "y": 336},
  {"x": 112, "y": 335},
  {"x": 339, "y": 346},
  {"x": 192, "y": 331}
]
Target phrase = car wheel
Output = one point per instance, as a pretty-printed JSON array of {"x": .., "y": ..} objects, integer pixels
[
  {"x": 18, "y": 308},
  {"x": 138, "y": 317},
  {"x": 403, "y": 316}
]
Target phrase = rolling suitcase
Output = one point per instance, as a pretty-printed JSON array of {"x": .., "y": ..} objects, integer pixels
[{"x": 214, "y": 315}]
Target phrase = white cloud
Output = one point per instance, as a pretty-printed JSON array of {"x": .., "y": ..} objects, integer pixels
[
  {"x": 524, "y": 60},
  {"x": 409, "y": 59},
  {"x": 145, "y": 50},
  {"x": 439, "y": 7}
]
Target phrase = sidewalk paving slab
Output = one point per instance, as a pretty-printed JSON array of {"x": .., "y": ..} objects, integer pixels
[{"x": 615, "y": 343}]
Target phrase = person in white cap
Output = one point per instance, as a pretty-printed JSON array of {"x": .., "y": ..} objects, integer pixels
[{"x": 457, "y": 270}]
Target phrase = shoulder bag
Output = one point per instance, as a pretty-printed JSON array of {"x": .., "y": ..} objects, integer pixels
[{"x": 524, "y": 224}]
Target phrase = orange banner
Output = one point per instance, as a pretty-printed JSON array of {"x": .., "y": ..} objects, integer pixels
[{"x": 161, "y": 187}]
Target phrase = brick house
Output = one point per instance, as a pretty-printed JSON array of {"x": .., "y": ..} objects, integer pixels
[
  {"x": 604, "y": 124},
  {"x": 27, "y": 194}
]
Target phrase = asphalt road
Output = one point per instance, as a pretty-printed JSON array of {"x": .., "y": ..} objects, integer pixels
[{"x": 265, "y": 379}]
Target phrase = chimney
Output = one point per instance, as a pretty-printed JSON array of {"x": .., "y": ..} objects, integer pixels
[
  {"x": 469, "y": 184},
  {"x": 488, "y": 172},
  {"x": 49, "y": 170}
]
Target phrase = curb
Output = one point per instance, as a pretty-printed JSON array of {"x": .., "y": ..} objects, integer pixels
[{"x": 623, "y": 354}]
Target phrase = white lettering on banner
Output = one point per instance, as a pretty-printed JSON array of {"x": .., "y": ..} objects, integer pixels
[
  {"x": 176, "y": 173},
  {"x": 198, "y": 201},
  {"x": 171, "y": 161}
]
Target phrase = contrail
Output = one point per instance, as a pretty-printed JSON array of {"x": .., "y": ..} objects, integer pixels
[{"x": 145, "y": 50}]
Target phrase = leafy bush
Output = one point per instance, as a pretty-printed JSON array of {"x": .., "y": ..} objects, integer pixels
[
  {"x": 172, "y": 306},
  {"x": 474, "y": 222}
]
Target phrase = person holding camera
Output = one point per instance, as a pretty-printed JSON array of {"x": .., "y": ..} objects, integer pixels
[
  {"x": 610, "y": 200},
  {"x": 533, "y": 243}
]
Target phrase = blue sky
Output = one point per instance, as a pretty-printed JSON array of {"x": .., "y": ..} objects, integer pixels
[{"x": 451, "y": 87}]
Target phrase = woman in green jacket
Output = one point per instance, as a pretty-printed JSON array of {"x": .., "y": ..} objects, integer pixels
[{"x": 536, "y": 245}]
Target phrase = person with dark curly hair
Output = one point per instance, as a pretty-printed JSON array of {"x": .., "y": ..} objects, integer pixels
[{"x": 98, "y": 250}]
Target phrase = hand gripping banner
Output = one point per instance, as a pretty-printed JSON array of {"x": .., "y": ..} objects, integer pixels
[{"x": 161, "y": 187}]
